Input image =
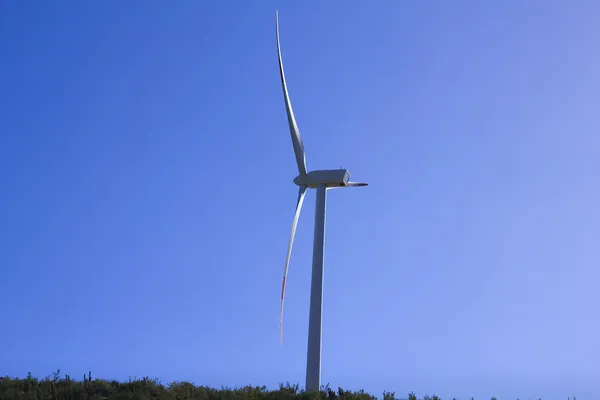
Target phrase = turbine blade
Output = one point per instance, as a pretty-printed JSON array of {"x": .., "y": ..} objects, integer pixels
[
  {"x": 356, "y": 184},
  {"x": 301, "y": 194},
  {"x": 296, "y": 138}
]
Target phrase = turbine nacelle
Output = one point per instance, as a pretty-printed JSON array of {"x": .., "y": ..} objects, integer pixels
[
  {"x": 327, "y": 177},
  {"x": 331, "y": 178}
]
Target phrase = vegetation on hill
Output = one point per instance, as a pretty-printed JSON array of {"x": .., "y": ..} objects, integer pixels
[{"x": 56, "y": 388}]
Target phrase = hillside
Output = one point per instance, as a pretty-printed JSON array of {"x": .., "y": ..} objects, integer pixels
[{"x": 55, "y": 387}]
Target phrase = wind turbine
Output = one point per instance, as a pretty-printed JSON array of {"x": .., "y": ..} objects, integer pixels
[{"x": 320, "y": 180}]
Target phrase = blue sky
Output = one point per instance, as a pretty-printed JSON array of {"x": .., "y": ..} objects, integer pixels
[{"x": 147, "y": 193}]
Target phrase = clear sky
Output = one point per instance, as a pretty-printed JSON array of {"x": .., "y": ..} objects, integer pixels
[{"x": 147, "y": 194}]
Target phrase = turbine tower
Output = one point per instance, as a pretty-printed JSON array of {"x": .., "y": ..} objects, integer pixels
[{"x": 320, "y": 180}]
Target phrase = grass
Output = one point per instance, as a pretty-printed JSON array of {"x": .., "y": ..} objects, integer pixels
[{"x": 55, "y": 387}]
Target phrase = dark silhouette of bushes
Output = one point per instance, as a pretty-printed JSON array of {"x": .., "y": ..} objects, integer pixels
[{"x": 54, "y": 387}]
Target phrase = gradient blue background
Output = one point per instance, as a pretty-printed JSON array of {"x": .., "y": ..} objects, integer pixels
[{"x": 147, "y": 195}]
